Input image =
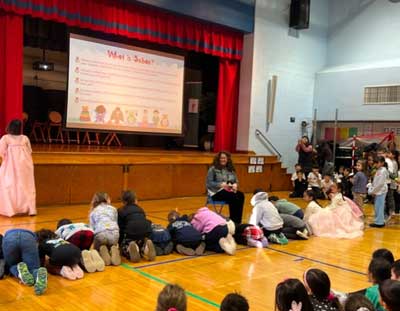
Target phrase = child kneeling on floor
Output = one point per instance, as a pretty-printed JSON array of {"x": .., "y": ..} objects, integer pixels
[
  {"x": 215, "y": 230},
  {"x": 250, "y": 235},
  {"x": 104, "y": 221},
  {"x": 135, "y": 230},
  {"x": 266, "y": 216},
  {"x": 187, "y": 240},
  {"x": 64, "y": 257},
  {"x": 78, "y": 234},
  {"x": 21, "y": 255}
]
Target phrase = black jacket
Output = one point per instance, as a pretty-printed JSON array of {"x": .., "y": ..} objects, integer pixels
[{"x": 132, "y": 223}]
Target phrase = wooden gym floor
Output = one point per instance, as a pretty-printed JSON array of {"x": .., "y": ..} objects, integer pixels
[{"x": 207, "y": 279}]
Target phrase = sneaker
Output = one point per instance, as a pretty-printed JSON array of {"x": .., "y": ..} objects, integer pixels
[
  {"x": 283, "y": 239},
  {"x": 105, "y": 254},
  {"x": 77, "y": 271},
  {"x": 98, "y": 262},
  {"x": 87, "y": 261},
  {"x": 149, "y": 252},
  {"x": 226, "y": 246},
  {"x": 273, "y": 238},
  {"x": 169, "y": 248},
  {"x": 187, "y": 251},
  {"x": 2, "y": 268},
  {"x": 115, "y": 255},
  {"x": 133, "y": 251},
  {"x": 200, "y": 249},
  {"x": 24, "y": 275},
  {"x": 302, "y": 235},
  {"x": 376, "y": 226},
  {"x": 67, "y": 273},
  {"x": 232, "y": 243},
  {"x": 41, "y": 281}
]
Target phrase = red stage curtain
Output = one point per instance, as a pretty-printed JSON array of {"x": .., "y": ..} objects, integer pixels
[
  {"x": 227, "y": 106},
  {"x": 11, "y": 68},
  {"x": 134, "y": 21}
]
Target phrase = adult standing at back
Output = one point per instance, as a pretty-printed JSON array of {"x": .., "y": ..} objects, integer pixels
[
  {"x": 305, "y": 150},
  {"x": 17, "y": 182},
  {"x": 222, "y": 185}
]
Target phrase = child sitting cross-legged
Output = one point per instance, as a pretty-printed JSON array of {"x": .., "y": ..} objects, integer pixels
[
  {"x": 64, "y": 257},
  {"x": 300, "y": 185},
  {"x": 215, "y": 230},
  {"x": 187, "y": 240},
  {"x": 134, "y": 229}
]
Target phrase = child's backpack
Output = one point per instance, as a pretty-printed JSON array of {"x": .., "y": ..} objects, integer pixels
[{"x": 161, "y": 240}]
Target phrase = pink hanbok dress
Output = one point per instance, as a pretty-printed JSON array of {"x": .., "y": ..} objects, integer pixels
[
  {"x": 17, "y": 183},
  {"x": 337, "y": 220}
]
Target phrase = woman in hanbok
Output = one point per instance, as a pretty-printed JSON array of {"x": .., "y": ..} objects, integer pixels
[
  {"x": 17, "y": 183},
  {"x": 340, "y": 219}
]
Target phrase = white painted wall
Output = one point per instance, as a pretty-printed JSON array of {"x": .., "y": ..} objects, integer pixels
[
  {"x": 363, "y": 50},
  {"x": 295, "y": 60},
  {"x": 363, "y": 31}
]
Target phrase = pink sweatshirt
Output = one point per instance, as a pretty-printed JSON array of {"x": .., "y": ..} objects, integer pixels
[{"x": 205, "y": 220}]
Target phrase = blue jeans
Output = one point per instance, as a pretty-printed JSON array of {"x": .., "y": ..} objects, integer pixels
[
  {"x": 379, "y": 205},
  {"x": 20, "y": 245}
]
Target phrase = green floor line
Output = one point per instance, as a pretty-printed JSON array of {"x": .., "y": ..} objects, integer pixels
[{"x": 161, "y": 281}]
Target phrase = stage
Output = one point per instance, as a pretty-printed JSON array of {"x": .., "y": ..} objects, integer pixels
[{"x": 70, "y": 174}]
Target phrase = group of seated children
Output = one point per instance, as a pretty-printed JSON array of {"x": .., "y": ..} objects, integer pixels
[{"x": 313, "y": 292}]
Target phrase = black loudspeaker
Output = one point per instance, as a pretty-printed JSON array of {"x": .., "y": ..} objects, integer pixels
[{"x": 300, "y": 14}]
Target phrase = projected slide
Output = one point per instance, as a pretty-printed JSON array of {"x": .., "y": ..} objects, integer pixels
[{"x": 115, "y": 87}]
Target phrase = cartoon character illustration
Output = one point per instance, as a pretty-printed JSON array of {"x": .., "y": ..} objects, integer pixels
[
  {"x": 156, "y": 118},
  {"x": 145, "y": 118},
  {"x": 100, "y": 114},
  {"x": 117, "y": 116},
  {"x": 164, "y": 121},
  {"x": 85, "y": 115},
  {"x": 132, "y": 116}
]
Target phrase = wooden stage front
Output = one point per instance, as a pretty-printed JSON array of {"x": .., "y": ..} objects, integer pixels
[{"x": 70, "y": 174}]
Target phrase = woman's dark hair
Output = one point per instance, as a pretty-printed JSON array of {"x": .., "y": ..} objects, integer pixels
[
  {"x": 383, "y": 253},
  {"x": 44, "y": 235},
  {"x": 63, "y": 222},
  {"x": 128, "y": 197},
  {"x": 14, "y": 127},
  {"x": 234, "y": 302},
  {"x": 390, "y": 294},
  {"x": 320, "y": 285},
  {"x": 229, "y": 163},
  {"x": 357, "y": 301},
  {"x": 291, "y": 290},
  {"x": 312, "y": 195},
  {"x": 380, "y": 270}
]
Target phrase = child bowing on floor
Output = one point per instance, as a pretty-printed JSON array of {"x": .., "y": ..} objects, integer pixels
[{"x": 187, "y": 240}]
